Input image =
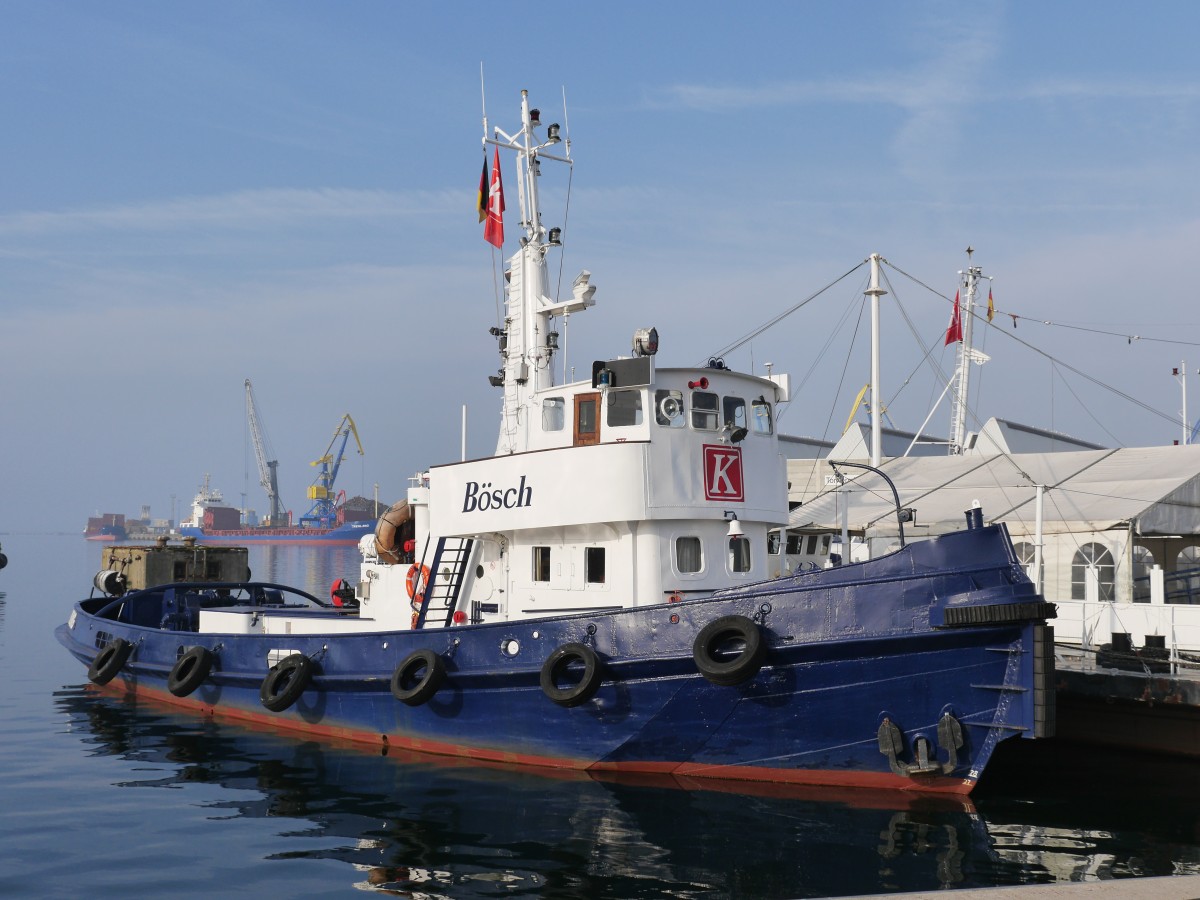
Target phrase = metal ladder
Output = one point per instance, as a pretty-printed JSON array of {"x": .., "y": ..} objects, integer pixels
[{"x": 446, "y": 577}]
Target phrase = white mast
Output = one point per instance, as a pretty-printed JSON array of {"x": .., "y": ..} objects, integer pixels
[
  {"x": 1181, "y": 373},
  {"x": 526, "y": 346},
  {"x": 875, "y": 292},
  {"x": 966, "y": 356}
]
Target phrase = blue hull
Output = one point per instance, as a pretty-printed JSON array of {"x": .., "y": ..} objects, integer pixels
[
  {"x": 903, "y": 672},
  {"x": 349, "y": 533}
]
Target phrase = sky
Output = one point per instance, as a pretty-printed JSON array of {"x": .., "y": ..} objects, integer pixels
[{"x": 199, "y": 194}]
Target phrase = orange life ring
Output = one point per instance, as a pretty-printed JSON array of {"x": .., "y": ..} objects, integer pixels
[{"x": 417, "y": 582}]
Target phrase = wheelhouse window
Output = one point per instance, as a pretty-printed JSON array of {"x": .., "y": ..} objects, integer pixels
[
  {"x": 554, "y": 414},
  {"x": 593, "y": 565},
  {"x": 760, "y": 416},
  {"x": 624, "y": 408},
  {"x": 739, "y": 554},
  {"x": 705, "y": 407},
  {"x": 668, "y": 409},
  {"x": 688, "y": 557},
  {"x": 541, "y": 563},
  {"x": 734, "y": 412}
]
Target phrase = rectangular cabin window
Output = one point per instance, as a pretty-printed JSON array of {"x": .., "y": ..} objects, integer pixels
[
  {"x": 704, "y": 411},
  {"x": 668, "y": 409},
  {"x": 760, "y": 416},
  {"x": 593, "y": 564},
  {"x": 795, "y": 544},
  {"x": 739, "y": 554},
  {"x": 688, "y": 557},
  {"x": 554, "y": 414},
  {"x": 825, "y": 540},
  {"x": 541, "y": 564},
  {"x": 624, "y": 408},
  {"x": 812, "y": 544},
  {"x": 734, "y": 412},
  {"x": 773, "y": 543}
]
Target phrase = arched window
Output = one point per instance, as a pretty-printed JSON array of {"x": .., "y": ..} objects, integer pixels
[
  {"x": 1187, "y": 565},
  {"x": 1143, "y": 561},
  {"x": 1025, "y": 553},
  {"x": 1092, "y": 566}
]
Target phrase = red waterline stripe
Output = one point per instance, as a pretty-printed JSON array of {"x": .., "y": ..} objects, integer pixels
[{"x": 700, "y": 772}]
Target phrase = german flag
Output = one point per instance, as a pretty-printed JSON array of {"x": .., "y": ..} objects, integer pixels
[{"x": 482, "y": 201}]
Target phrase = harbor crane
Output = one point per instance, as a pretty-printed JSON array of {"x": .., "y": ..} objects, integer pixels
[
  {"x": 323, "y": 513},
  {"x": 267, "y": 468}
]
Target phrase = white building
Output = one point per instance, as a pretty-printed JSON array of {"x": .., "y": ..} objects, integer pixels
[{"x": 1119, "y": 529}]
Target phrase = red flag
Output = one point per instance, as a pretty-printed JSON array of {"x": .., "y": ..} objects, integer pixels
[
  {"x": 481, "y": 202},
  {"x": 493, "y": 231},
  {"x": 991, "y": 305},
  {"x": 954, "y": 332}
]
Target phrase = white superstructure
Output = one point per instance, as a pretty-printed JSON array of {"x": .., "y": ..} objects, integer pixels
[{"x": 637, "y": 485}]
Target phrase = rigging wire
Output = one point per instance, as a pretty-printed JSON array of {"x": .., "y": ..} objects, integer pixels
[
  {"x": 783, "y": 315},
  {"x": 1116, "y": 440},
  {"x": 983, "y": 319}
]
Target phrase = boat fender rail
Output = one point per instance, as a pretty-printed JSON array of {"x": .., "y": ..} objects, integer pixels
[
  {"x": 418, "y": 677},
  {"x": 189, "y": 671},
  {"x": 729, "y": 650},
  {"x": 109, "y": 661},
  {"x": 996, "y": 614},
  {"x": 285, "y": 682},
  {"x": 565, "y": 662}
]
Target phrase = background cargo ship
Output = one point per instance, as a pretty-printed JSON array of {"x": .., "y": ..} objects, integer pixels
[{"x": 214, "y": 522}]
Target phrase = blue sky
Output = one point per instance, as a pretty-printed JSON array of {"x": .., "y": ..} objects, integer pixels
[{"x": 196, "y": 194}]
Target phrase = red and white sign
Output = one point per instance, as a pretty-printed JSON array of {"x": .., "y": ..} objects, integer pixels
[{"x": 723, "y": 473}]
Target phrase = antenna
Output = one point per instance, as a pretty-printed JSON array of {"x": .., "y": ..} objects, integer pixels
[
  {"x": 566, "y": 123},
  {"x": 483, "y": 101}
]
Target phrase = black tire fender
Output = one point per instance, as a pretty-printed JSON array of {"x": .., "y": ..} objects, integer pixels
[
  {"x": 285, "y": 682},
  {"x": 190, "y": 671},
  {"x": 555, "y": 670},
  {"x": 418, "y": 677},
  {"x": 729, "y": 650},
  {"x": 109, "y": 661}
]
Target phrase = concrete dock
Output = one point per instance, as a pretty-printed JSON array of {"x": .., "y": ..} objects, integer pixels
[{"x": 1178, "y": 887}]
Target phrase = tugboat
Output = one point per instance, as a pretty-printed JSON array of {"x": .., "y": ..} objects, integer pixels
[{"x": 595, "y": 595}]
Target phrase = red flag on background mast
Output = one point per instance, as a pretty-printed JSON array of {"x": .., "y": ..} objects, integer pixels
[
  {"x": 954, "y": 332},
  {"x": 493, "y": 230}
]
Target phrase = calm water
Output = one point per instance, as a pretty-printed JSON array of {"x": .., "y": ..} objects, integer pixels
[{"x": 104, "y": 797}]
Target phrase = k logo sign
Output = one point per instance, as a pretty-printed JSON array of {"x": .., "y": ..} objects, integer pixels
[{"x": 723, "y": 473}]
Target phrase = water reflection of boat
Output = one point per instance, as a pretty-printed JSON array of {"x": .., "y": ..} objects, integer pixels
[{"x": 410, "y": 822}]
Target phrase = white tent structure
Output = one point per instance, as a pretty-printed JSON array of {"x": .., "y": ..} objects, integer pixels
[{"x": 1118, "y": 531}]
